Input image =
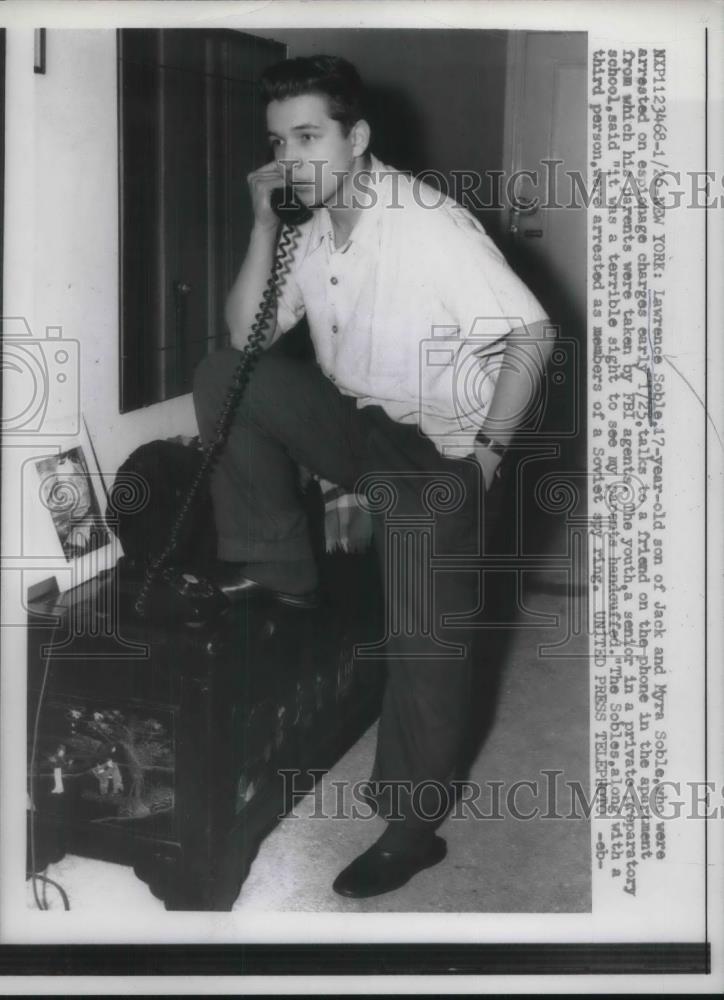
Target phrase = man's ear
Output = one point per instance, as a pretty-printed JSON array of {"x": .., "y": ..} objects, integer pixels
[{"x": 360, "y": 136}]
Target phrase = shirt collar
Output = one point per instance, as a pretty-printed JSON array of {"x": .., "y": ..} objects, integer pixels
[{"x": 366, "y": 226}]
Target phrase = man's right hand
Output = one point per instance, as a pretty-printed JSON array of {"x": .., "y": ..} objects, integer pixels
[{"x": 261, "y": 183}]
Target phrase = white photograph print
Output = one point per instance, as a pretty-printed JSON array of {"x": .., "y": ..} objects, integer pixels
[{"x": 361, "y": 469}]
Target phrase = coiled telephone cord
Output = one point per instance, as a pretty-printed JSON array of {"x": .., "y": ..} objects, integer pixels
[{"x": 288, "y": 242}]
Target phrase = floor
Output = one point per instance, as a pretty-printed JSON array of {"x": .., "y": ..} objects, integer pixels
[{"x": 535, "y": 710}]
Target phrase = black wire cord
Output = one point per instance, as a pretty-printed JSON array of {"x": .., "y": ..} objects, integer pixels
[
  {"x": 251, "y": 352},
  {"x": 41, "y": 901}
]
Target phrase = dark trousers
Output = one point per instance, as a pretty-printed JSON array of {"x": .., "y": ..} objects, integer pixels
[{"x": 426, "y": 509}]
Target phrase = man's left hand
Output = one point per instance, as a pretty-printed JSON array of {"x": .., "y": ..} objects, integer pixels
[{"x": 488, "y": 462}]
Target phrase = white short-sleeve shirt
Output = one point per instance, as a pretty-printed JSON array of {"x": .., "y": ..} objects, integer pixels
[{"x": 411, "y": 313}]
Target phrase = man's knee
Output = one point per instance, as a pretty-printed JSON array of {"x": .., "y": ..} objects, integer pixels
[
  {"x": 214, "y": 375},
  {"x": 214, "y": 372}
]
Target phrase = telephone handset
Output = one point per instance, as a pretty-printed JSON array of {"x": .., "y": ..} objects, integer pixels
[
  {"x": 285, "y": 205},
  {"x": 167, "y": 593}
]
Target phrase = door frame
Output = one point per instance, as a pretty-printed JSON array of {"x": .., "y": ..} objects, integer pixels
[{"x": 514, "y": 86}]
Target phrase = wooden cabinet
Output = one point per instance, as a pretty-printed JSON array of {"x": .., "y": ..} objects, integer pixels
[
  {"x": 165, "y": 748},
  {"x": 191, "y": 127}
]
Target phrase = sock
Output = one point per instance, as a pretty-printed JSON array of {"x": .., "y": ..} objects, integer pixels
[
  {"x": 289, "y": 577},
  {"x": 400, "y": 836}
]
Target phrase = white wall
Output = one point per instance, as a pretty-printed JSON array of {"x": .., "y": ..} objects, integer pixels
[{"x": 61, "y": 226}]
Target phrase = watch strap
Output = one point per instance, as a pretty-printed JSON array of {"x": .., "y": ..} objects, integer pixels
[{"x": 487, "y": 442}]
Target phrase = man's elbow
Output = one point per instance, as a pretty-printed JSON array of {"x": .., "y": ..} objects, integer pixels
[
  {"x": 537, "y": 340},
  {"x": 546, "y": 334}
]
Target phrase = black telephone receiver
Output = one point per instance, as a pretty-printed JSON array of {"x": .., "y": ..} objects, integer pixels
[
  {"x": 168, "y": 593},
  {"x": 285, "y": 205}
]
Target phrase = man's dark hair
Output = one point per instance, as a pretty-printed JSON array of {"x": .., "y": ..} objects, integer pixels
[{"x": 330, "y": 76}]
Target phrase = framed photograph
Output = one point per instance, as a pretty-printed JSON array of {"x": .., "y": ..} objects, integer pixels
[
  {"x": 67, "y": 493},
  {"x": 64, "y": 529}
]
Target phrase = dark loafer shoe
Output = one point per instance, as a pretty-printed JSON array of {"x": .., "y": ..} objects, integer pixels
[
  {"x": 378, "y": 871},
  {"x": 237, "y": 587}
]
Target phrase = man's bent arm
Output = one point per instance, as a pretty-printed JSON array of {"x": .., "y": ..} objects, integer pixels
[
  {"x": 527, "y": 352},
  {"x": 242, "y": 303}
]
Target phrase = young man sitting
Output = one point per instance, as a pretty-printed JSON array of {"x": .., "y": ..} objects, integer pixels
[{"x": 403, "y": 291}]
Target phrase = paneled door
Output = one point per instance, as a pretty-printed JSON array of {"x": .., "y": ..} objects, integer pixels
[
  {"x": 545, "y": 135},
  {"x": 191, "y": 127}
]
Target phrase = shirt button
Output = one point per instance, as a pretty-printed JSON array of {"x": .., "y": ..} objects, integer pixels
[
  {"x": 333, "y": 280},
  {"x": 335, "y": 328}
]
